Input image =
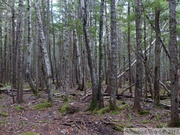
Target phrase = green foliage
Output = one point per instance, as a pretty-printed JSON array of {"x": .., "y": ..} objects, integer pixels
[
  {"x": 28, "y": 133},
  {"x": 93, "y": 31},
  {"x": 19, "y": 108},
  {"x": 42, "y": 105},
  {"x": 4, "y": 114}
]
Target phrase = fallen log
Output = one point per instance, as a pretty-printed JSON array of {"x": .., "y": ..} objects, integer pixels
[
  {"x": 127, "y": 88},
  {"x": 168, "y": 91}
]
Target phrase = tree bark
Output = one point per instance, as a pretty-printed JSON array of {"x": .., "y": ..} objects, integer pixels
[
  {"x": 94, "y": 102},
  {"x": 99, "y": 93},
  {"x": 1, "y": 60},
  {"x": 44, "y": 51},
  {"x": 139, "y": 70},
  {"x": 157, "y": 57},
  {"x": 14, "y": 47},
  {"x": 113, "y": 66},
  {"x": 129, "y": 48},
  {"x": 174, "y": 76},
  {"x": 20, "y": 51},
  {"x": 29, "y": 48}
]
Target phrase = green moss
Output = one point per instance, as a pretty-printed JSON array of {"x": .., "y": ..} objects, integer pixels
[
  {"x": 145, "y": 121},
  {"x": 63, "y": 109},
  {"x": 2, "y": 106},
  {"x": 129, "y": 117},
  {"x": 1, "y": 97},
  {"x": 19, "y": 108},
  {"x": 158, "y": 117},
  {"x": 162, "y": 125},
  {"x": 5, "y": 87},
  {"x": 143, "y": 112},
  {"x": 65, "y": 99},
  {"x": 4, "y": 122},
  {"x": 4, "y": 114},
  {"x": 88, "y": 84},
  {"x": 119, "y": 128},
  {"x": 28, "y": 133},
  {"x": 93, "y": 106},
  {"x": 42, "y": 105},
  {"x": 122, "y": 107},
  {"x": 103, "y": 110},
  {"x": 115, "y": 112}
]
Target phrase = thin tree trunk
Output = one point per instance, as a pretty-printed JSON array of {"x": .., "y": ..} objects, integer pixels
[
  {"x": 44, "y": 51},
  {"x": 67, "y": 50},
  {"x": 20, "y": 52},
  {"x": 54, "y": 47},
  {"x": 14, "y": 47},
  {"x": 129, "y": 48},
  {"x": 99, "y": 93},
  {"x": 113, "y": 72},
  {"x": 139, "y": 75},
  {"x": 29, "y": 48},
  {"x": 157, "y": 58},
  {"x": 94, "y": 80},
  {"x": 1, "y": 60},
  {"x": 79, "y": 62}
]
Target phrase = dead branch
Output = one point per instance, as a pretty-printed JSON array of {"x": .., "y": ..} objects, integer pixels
[
  {"x": 165, "y": 87},
  {"x": 89, "y": 94},
  {"x": 127, "y": 88}
]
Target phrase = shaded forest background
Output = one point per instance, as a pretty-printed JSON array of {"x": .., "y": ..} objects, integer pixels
[{"x": 87, "y": 44}]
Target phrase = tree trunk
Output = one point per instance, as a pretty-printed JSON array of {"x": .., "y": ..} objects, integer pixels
[
  {"x": 129, "y": 48},
  {"x": 67, "y": 48},
  {"x": 20, "y": 51},
  {"x": 99, "y": 93},
  {"x": 54, "y": 47},
  {"x": 157, "y": 58},
  {"x": 139, "y": 73},
  {"x": 1, "y": 60},
  {"x": 14, "y": 47},
  {"x": 79, "y": 71},
  {"x": 94, "y": 102},
  {"x": 174, "y": 76},
  {"x": 29, "y": 48},
  {"x": 113, "y": 66},
  {"x": 44, "y": 51}
]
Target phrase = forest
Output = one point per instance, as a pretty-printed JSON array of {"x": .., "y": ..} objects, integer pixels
[{"x": 89, "y": 67}]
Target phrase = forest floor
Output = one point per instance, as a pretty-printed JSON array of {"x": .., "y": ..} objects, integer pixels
[{"x": 18, "y": 119}]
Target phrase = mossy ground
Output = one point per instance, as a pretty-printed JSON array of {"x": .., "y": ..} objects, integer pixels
[
  {"x": 28, "y": 133},
  {"x": 42, "y": 105}
]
